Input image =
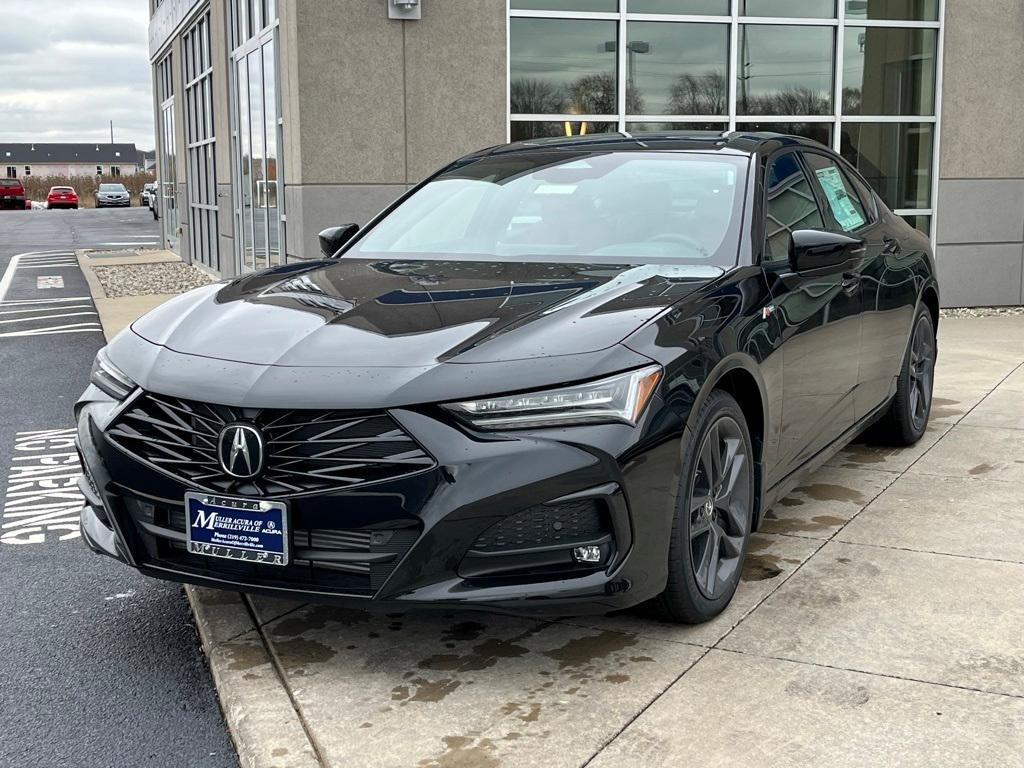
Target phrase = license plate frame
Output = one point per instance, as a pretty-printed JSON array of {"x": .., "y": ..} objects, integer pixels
[{"x": 244, "y": 530}]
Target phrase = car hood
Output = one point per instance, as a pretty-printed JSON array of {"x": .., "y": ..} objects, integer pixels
[{"x": 359, "y": 312}]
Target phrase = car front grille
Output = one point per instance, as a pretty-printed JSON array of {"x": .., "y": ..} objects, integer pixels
[
  {"x": 346, "y": 561},
  {"x": 307, "y": 451}
]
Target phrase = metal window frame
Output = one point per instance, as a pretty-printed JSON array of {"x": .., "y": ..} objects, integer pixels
[
  {"x": 200, "y": 142},
  {"x": 841, "y": 22}
]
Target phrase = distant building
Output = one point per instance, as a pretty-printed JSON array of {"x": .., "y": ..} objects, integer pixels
[{"x": 89, "y": 159}]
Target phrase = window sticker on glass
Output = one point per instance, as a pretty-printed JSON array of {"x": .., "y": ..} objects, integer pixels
[{"x": 843, "y": 208}]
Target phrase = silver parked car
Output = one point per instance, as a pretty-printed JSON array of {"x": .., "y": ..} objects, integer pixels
[
  {"x": 148, "y": 191},
  {"x": 110, "y": 195}
]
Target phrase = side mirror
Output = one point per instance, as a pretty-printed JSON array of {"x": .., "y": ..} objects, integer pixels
[
  {"x": 332, "y": 238},
  {"x": 810, "y": 250}
]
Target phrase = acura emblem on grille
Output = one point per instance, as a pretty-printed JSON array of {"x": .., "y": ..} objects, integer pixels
[{"x": 240, "y": 450}]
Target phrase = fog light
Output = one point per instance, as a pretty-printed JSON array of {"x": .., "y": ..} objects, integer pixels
[{"x": 588, "y": 554}]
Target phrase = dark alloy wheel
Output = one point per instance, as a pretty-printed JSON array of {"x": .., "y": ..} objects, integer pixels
[
  {"x": 922, "y": 370},
  {"x": 907, "y": 418},
  {"x": 714, "y": 515},
  {"x": 719, "y": 508}
]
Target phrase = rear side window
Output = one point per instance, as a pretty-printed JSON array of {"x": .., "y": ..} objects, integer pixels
[
  {"x": 844, "y": 205},
  {"x": 789, "y": 205}
]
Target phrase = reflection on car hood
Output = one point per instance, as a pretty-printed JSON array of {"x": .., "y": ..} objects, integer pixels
[{"x": 349, "y": 311}]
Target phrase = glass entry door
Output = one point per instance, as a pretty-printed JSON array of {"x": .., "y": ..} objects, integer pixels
[{"x": 257, "y": 140}]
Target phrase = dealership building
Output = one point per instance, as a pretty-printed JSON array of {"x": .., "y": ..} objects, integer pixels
[{"x": 278, "y": 118}]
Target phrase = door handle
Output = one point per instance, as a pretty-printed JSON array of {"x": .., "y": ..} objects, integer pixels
[
  {"x": 892, "y": 246},
  {"x": 850, "y": 284}
]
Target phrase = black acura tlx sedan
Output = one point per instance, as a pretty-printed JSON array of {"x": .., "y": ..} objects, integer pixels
[{"x": 558, "y": 376}]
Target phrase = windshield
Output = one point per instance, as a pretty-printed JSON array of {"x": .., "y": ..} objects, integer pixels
[
  {"x": 556, "y": 206},
  {"x": 112, "y": 188}
]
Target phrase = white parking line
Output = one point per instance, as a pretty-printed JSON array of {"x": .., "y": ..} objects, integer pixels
[
  {"x": 36, "y": 311},
  {"x": 60, "y": 329}
]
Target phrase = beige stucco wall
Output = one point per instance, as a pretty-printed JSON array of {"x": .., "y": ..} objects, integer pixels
[
  {"x": 980, "y": 207},
  {"x": 372, "y": 105}
]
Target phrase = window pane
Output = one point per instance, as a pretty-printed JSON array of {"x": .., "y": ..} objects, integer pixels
[
  {"x": 920, "y": 223},
  {"x": 819, "y": 132},
  {"x": 894, "y": 158},
  {"x": 843, "y": 203},
  {"x": 789, "y": 204},
  {"x": 662, "y": 127},
  {"x": 563, "y": 66},
  {"x": 888, "y": 71},
  {"x": 785, "y": 70},
  {"x": 900, "y": 10},
  {"x": 525, "y": 130},
  {"x": 693, "y": 7},
  {"x": 818, "y": 9},
  {"x": 677, "y": 69},
  {"x": 270, "y": 137},
  {"x": 566, "y": 5}
]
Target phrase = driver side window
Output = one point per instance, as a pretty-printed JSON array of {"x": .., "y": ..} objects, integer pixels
[{"x": 789, "y": 205}]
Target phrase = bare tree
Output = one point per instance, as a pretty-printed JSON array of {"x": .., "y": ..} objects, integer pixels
[
  {"x": 533, "y": 96},
  {"x": 704, "y": 94}
]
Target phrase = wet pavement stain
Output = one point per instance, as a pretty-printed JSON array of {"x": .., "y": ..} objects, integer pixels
[
  {"x": 245, "y": 656},
  {"x": 789, "y": 501},
  {"x": 641, "y": 659},
  {"x": 463, "y": 631},
  {"x": 421, "y": 689},
  {"x": 616, "y": 678},
  {"x": 943, "y": 407},
  {"x": 583, "y": 650},
  {"x": 318, "y": 618},
  {"x": 815, "y": 524},
  {"x": 981, "y": 469},
  {"x": 462, "y": 752},
  {"x": 483, "y": 655},
  {"x": 760, "y": 568},
  {"x": 830, "y": 492},
  {"x": 302, "y": 651}
]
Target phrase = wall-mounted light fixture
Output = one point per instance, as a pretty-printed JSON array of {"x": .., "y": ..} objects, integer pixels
[{"x": 404, "y": 9}]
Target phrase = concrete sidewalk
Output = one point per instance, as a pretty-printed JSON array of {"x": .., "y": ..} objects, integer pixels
[{"x": 879, "y": 621}]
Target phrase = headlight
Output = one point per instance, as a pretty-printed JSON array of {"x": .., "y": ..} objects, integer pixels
[
  {"x": 110, "y": 378},
  {"x": 620, "y": 398}
]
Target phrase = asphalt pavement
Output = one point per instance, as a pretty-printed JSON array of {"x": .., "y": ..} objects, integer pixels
[{"x": 99, "y": 666}]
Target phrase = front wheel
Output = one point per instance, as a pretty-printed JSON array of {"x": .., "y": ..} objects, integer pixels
[{"x": 714, "y": 515}]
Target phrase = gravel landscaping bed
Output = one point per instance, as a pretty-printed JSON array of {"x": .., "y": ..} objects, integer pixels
[
  {"x": 146, "y": 279},
  {"x": 982, "y": 312}
]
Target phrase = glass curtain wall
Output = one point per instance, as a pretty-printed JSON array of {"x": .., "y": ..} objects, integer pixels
[
  {"x": 257, "y": 129},
  {"x": 857, "y": 75},
  {"x": 200, "y": 144},
  {"x": 168, "y": 203}
]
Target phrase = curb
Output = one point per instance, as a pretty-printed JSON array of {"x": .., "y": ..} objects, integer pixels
[{"x": 264, "y": 726}]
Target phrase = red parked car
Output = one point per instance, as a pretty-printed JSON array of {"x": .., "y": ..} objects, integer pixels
[
  {"x": 62, "y": 197},
  {"x": 12, "y": 194}
]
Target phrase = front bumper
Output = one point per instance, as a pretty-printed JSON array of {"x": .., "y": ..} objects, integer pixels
[
  {"x": 113, "y": 203},
  {"x": 427, "y": 527}
]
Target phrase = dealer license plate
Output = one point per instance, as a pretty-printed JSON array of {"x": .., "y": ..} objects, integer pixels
[{"x": 237, "y": 529}]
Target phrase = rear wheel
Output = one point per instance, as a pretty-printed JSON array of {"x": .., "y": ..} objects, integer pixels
[
  {"x": 907, "y": 418},
  {"x": 713, "y": 517}
]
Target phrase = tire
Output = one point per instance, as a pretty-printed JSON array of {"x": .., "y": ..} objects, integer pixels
[
  {"x": 907, "y": 418},
  {"x": 718, "y": 530}
]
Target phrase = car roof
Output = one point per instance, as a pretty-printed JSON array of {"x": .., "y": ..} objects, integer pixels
[{"x": 732, "y": 143}]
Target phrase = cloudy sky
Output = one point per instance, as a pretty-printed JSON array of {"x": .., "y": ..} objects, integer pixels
[{"x": 68, "y": 68}]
